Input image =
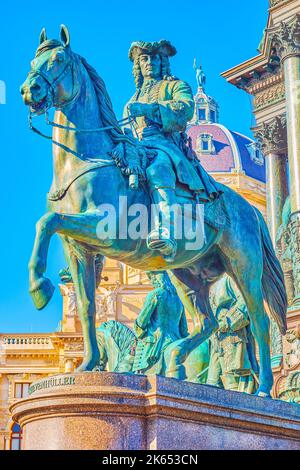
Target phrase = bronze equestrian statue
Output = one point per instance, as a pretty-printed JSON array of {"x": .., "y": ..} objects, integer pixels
[{"x": 86, "y": 180}]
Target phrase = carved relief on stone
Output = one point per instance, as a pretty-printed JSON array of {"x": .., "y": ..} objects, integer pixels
[
  {"x": 266, "y": 81},
  {"x": 273, "y": 3},
  {"x": 269, "y": 97},
  {"x": 105, "y": 300},
  {"x": 226, "y": 180},
  {"x": 294, "y": 227},
  {"x": 276, "y": 342},
  {"x": 292, "y": 344},
  {"x": 256, "y": 188},
  {"x": 286, "y": 37},
  {"x": 283, "y": 249},
  {"x": 272, "y": 136},
  {"x": 106, "y": 303},
  {"x": 67, "y": 290},
  {"x": 291, "y": 390},
  {"x": 74, "y": 346}
]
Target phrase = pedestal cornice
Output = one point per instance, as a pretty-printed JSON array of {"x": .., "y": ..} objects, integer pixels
[{"x": 139, "y": 412}]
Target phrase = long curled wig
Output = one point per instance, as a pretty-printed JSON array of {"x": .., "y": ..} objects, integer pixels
[{"x": 137, "y": 73}]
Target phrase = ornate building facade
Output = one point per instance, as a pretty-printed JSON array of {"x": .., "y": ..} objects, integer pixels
[{"x": 272, "y": 78}]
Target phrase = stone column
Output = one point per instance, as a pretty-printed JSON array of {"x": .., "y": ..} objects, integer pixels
[
  {"x": 272, "y": 137},
  {"x": 286, "y": 40},
  {"x": 292, "y": 84}
]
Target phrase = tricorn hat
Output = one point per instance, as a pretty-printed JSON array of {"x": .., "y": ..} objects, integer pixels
[{"x": 163, "y": 47}]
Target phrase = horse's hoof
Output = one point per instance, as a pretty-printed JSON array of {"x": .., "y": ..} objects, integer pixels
[
  {"x": 41, "y": 293},
  {"x": 88, "y": 365},
  {"x": 262, "y": 394},
  {"x": 176, "y": 373}
]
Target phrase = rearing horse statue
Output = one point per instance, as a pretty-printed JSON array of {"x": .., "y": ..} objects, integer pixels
[{"x": 85, "y": 132}]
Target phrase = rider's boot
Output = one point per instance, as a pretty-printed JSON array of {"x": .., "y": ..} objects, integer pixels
[{"x": 162, "y": 237}]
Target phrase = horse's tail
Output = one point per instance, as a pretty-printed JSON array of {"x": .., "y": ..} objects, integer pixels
[{"x": 273, "y": 286}]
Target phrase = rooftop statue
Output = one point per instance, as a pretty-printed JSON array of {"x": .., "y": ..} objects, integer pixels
[
  {"x": 90, "y": 149},
  {"x": 200, "y": 75}
]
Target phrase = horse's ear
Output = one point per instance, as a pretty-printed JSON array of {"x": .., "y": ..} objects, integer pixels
[
  {"x": 43, "y": 36},
  {"x": 64, "y": 35}
]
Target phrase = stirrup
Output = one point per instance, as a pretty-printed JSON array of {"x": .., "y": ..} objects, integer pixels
[{"x": 160, "y": 240}]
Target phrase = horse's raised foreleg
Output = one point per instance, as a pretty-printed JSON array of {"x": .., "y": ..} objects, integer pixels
[
  {"x": 195, "y": 298},
  {"x": 82, "y": 227},
  {"x": 41, "y": 288}
]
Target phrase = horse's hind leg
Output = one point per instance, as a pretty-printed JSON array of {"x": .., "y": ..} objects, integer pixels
[
  {"x": 249, "y": 282},
  {"x": 194, "y": 295}
]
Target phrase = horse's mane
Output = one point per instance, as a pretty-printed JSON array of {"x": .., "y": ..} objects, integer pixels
[
  {"x": 122, "y": 335},
  {"x": 105, "y": 104}
]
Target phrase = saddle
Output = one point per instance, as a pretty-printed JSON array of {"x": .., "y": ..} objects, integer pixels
[
  {"x": 133, "y": 161},
  {"x": 215, "y": 212}
]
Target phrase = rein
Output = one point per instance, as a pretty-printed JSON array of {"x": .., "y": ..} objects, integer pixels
[
  {"x": 60, "y": 193},
  {"x": 122, "y": 123},
  {"x": 129, "y": 120}
]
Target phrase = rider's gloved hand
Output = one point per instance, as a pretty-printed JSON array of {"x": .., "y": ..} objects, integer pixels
[{"x": 150, "y": 111}]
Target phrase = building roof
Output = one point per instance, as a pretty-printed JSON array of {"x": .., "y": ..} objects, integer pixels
[
  {"x": 232, "y": 152},
  {"x": 219, "y": 149}
]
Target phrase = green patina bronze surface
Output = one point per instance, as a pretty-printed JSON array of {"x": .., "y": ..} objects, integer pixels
[
  {"x": 233, "y": 364},
  {"x": 86, "y": 176},
  {"x": 150, "y": 347}
]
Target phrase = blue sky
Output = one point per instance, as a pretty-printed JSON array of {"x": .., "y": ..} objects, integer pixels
[{"x": 219, "y": 33}]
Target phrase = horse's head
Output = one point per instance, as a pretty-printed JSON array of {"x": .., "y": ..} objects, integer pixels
[{"x": 52, "y": 80}]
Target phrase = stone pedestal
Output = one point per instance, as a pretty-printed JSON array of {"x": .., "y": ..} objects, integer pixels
[{"x": 118, "y": 411}]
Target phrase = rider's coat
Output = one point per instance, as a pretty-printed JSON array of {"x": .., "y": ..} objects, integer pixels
[{"x": 172, "y": 108}]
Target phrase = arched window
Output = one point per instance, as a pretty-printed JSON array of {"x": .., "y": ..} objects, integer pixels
[
  {"x": 15, "y": 437},
  {"x": 205, "y": 144}
]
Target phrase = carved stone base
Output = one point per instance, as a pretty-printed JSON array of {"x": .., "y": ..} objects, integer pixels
[
  {"x": 130, "y": 412},
  {"x": 291, "y": 392}
]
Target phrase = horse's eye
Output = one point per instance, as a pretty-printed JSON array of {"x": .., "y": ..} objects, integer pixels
[{"x": 59, "y": 57}]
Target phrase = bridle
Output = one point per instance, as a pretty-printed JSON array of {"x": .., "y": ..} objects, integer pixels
[
  {"x": 59, "y": 194},
  {"x": 122, "y": 122},
  {"x": 60, "y": 76}
]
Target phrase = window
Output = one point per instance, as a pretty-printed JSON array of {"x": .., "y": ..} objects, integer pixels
[
  {"x": 213, "y": 116},
  {"x": 21, "y": 389},
  {"x": 202, "y": 114},
  {"x": 205, "y": 144},
  {"x": 15, "y": 437},
  {"x": 255, "y": 152}
]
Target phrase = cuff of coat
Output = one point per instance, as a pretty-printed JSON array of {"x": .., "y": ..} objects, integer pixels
[
  {"x": 173, "y": 116},
  {"x": 153, "y": 113},
  {"x": 237, "y": 319},
  {"x": 138, "y": 330}
]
